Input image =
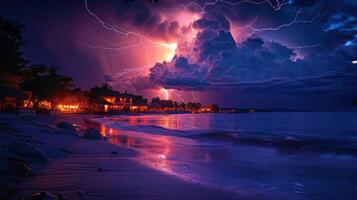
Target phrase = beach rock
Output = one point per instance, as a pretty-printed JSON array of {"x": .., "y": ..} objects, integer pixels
[
  {"x": 92, "y": 133},
  {"x": 28, "y": 150},
  {"x": 43, "y": 196},
  {"x": 19, "y": 168},
  {"x": 66, "y": 126},
  {"x": 8, "y": 189}
]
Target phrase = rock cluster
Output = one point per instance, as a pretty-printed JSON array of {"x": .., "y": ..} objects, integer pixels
[
  {"x": 92, "y": 133},
  {"x": 66, "y": 126}
]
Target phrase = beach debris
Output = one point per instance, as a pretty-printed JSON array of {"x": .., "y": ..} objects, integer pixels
[
  {"x": 99, "y": 169},
  {"x": 62, "y": 196},
  {"x": 19, "y": 166},
  {"x": 297, "y": 184},
  {"x": 81, "y": 193},
  {"x": 92, "y": 133},
  {"x": 43, "y": 196},
  {"x": 7, "y": 127},
  {"x": 64, "y": 150},
  {"x": 66, "y": 126}
]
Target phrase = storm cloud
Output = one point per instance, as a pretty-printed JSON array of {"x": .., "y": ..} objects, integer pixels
[{"x": 217, "y": 61}]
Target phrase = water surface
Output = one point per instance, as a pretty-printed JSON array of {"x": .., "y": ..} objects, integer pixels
[{"x": 279, "y": 155}]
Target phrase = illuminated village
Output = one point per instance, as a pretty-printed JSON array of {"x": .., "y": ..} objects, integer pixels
[{"x": 99, "y": 100}]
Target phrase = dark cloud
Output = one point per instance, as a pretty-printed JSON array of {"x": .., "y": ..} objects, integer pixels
[
  {"x": 147, "y": 18},
  {"x": 255, "y": 65}
]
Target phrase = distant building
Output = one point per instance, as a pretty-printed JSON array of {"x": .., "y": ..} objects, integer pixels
[
  {"x": 158, "y": 105},
  {"x": 209, "y": 108},
  {"x": 113, "y": 101}
]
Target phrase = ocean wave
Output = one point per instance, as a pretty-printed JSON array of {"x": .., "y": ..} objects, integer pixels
[
  {"x": 287, "y": 142},
  {"x": 293, "y": 142}
]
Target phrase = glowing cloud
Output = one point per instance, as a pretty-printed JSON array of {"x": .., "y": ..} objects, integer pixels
[{"x": 171, "y": 51}]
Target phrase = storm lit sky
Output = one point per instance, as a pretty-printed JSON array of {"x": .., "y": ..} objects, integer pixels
[{"x": 245, "y": 53}]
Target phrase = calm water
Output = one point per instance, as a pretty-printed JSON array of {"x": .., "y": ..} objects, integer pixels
[{"x": 277, "y": 155}]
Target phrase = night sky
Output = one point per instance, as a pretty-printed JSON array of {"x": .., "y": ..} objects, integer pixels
[{"x": 247, "y": 53}]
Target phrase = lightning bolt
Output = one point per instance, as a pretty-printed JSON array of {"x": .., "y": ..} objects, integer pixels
[
  {"x": 137, "y": 40},
  {"x": 178, "y": 95},
  {"x": 294, "y": 21},
  {"x": 309, "y": 46},
  {"x": 130, "y": 70},
  {"x": 202, "y": 8},
  {"x": 193, "y": 96},
  {"x": 123, "y": 33},
  {"x": 134, "y": 39},
  {"x": 277, "y": 6}
]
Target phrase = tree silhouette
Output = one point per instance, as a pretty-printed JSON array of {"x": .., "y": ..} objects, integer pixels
[
  {"x": 11, "y": 60},
  {"x": 98, "y": 91},
  {"x": 46, "y": 83}
]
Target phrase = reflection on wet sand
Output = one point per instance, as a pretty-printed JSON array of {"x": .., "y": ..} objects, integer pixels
[
  {"x": 155, "y": 150},
  {"x": 215, "y": 152},
  {"x": 166, "y": 121}
]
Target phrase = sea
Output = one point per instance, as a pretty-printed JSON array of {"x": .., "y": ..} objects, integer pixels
[{"x": 272, "y": 155}]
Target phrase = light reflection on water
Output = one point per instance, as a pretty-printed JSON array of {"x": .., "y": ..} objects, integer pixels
[
  {"x": 304, "y": 175},
  {"x": 168, "y": 121},
  {"x": 155, "y": 151}
]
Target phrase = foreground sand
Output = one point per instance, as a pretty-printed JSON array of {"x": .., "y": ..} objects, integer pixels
[{"x": 94, "y": 169}]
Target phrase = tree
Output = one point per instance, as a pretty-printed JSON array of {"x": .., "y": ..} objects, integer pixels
[
  {"x": 46, "y": 83},
  {"x": 11, "y": 60},
  {"x": 194, "y": 106},
  {"x": 98, "y": 91},
  {"x": 156, "y": 100}
]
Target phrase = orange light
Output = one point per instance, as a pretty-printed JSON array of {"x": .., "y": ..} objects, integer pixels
[
  {"x": 67, "y": 108},
  {"x": 106, "y": 108}
]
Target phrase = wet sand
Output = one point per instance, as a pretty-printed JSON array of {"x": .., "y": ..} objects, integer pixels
[{"x": 95, "y": 169}]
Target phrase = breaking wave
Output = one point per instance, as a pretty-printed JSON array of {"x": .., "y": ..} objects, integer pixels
[{"x": 292, "y": 142}]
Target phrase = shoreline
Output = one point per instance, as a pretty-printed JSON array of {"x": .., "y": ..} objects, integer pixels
[
  {"x": 284, "y": 168},
  {"x": 93, "y": 169}
]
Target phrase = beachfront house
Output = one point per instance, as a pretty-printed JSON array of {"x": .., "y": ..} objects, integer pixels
[
  {"x": 139, "y": 106},
  {"x": 113, "y": 102},
  {"x": 72, "y": 104},
  {"x": 11, "y": 98}
]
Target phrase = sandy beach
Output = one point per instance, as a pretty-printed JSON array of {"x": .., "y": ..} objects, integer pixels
[{"x": 80, "y": 168}]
